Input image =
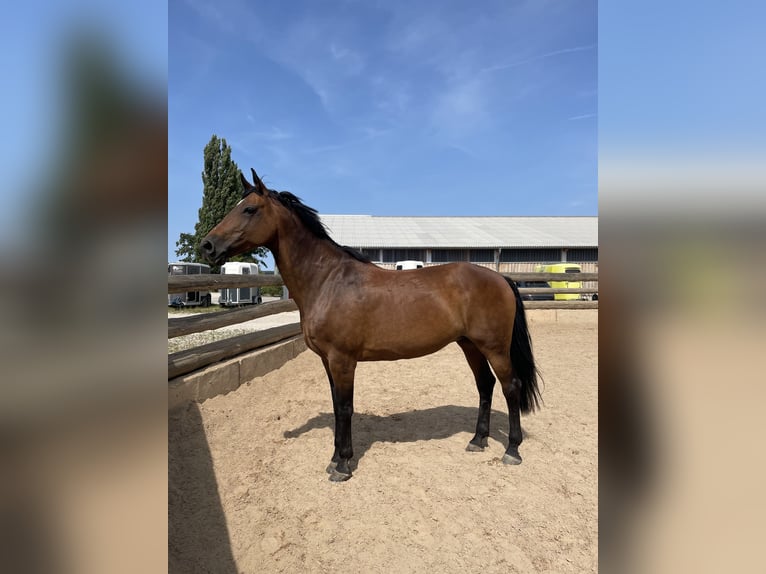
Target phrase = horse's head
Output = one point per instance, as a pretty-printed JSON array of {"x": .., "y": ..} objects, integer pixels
[{"x": 250, "y": 224}]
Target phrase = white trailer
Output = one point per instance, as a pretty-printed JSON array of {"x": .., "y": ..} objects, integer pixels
[
  {"x": 240, "y": 295},
  {"x": 404, "y": 265},
  {"x": 190, "y": 298}
]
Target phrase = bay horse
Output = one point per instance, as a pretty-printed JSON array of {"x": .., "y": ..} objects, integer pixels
[{"x": 352, "y": 310}]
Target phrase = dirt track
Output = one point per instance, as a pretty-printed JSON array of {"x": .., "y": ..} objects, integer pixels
[{"x": 248, "y": 490}]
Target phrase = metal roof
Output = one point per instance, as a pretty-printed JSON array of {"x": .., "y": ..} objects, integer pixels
[{"x": 370, "y": 231}]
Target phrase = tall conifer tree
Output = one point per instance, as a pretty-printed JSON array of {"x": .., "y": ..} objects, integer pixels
[{"x": 221, "y": 191}]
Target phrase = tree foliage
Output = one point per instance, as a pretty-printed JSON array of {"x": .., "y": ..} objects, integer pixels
[{"x": 221, "y": 190}]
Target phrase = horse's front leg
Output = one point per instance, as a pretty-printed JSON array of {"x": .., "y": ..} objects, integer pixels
[
  {"x": 341, "y": 375},
  {"x": 335, "y": 455}
]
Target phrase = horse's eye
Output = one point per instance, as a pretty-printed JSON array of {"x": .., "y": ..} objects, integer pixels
[{"x": 250, "y": 210}]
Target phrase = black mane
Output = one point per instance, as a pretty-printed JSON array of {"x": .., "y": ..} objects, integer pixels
[{"x": 311, "y": 220}]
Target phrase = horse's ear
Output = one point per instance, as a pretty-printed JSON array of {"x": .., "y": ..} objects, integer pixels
[
  {"x": 245, "y": 183},
  {"x": 260, "y": 189}
]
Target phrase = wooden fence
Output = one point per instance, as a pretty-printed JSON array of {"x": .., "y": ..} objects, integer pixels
[{"x": 187, "y": 361}]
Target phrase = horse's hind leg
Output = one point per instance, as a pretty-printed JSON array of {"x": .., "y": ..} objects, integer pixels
[
  {"x": 501, "y": 364},
  {"x": 512, "y": 392},
  {"x": 485, "y": 383}
]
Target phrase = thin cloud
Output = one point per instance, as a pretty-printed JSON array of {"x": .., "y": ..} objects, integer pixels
[
  {"x": 351, "y": 62},
  {"x": 208, "y": 12},
  {"x": 461, "y": 109},
  {"x": 582, "y": 117},
  {"x": 274, "y": 134},
  {"x": 499, "y": 67},
  {"x": 369, "y": 133}
]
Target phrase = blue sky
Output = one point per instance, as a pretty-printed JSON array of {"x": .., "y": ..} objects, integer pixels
[
  {"x": 389, "y": 108},
  {"x": 425, "y": 109}
]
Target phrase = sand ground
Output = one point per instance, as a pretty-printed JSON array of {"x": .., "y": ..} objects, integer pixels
[{"x": 248, "y": 490}]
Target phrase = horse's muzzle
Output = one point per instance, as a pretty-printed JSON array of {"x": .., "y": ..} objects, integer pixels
[{"x": 211, "y": 253}]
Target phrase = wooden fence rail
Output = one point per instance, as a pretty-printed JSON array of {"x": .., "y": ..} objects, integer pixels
[
  {"x": 556, "y": 290},
  {"x": 209, "y": 281},
  {"x": 184, "y": 362},
  {"x": 574, "y": 304},
  {"x": 206, "y": 321},
  {"x": 552, "y": 276},
  {"x": 182, "y": 283}
]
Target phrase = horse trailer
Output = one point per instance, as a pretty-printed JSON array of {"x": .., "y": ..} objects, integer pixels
[
  {"x": 190, "y": 298},
  {"x": 240, "y": 295},
  {"x": 404, "y": 265},
  {"x": 573, "y": 268}
]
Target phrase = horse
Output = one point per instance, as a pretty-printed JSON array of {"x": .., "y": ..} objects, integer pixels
[{"x": 351, "y": 310}]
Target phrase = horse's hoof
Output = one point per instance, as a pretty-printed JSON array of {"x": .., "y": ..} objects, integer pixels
[
  {"x": 331, "y": 467},
  {"x": 336, "y": 476},
  {"x": 511, "y": 458},
  {"x": 477, "y": 445}
]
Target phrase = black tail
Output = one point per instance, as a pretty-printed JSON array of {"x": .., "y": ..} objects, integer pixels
[{"x": 521, "y": 357}]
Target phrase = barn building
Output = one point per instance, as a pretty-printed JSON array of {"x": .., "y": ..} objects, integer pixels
[{"x": 506, "y": 244}]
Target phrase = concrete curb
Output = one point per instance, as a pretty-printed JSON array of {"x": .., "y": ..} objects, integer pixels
[{"x": 226, "y": 376}]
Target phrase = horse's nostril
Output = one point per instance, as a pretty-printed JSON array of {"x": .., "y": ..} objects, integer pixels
[{"x": 207, "y": 246}]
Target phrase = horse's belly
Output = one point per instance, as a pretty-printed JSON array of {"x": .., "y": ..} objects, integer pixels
[
  {"x": 406, "y": 344},
  {"x": 396, "y": 353}
]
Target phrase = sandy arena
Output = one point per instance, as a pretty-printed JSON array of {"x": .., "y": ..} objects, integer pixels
[{"x": 248, "y": 492}]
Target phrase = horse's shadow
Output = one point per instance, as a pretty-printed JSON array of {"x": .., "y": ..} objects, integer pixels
[{"x": 410, "y": 426}]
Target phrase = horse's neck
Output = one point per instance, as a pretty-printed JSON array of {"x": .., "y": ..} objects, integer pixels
[{"x": 304, "y": 261}]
